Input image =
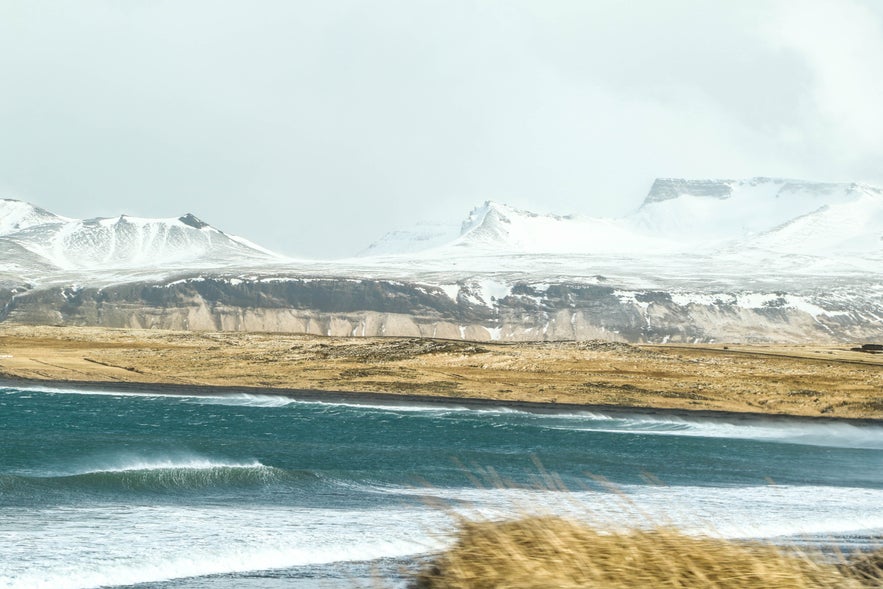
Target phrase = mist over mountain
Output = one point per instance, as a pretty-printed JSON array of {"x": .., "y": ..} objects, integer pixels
[
  {"x": 683, "y": 216},
  {"x": 761, "y": 259}
]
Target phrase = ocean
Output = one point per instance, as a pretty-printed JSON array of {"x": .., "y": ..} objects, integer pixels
[{"x": 104, "y": 489}]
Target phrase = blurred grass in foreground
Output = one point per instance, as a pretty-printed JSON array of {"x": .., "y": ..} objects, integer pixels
[{"x": 548, "y": 551}]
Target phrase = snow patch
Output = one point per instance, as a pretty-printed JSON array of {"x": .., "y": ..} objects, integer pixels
[{"x": 452, "y": 290}]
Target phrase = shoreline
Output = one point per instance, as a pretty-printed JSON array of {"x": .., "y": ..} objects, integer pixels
[
  {"x": 775, "y": 381},
  {"x": 382, "y": 399}
]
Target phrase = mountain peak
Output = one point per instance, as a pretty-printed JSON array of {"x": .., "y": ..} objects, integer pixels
[
  {"x": 493, "y": 213},
  {"x": 664, "y": 189},
  {"x": 669, "y": 188},
  {"x": 192, "y": 220},
  {"x": 122, "y": 241},
  {"x": 16, "y": 215}
]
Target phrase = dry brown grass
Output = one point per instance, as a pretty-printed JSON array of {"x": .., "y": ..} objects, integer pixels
[
  {"x": 868, "y": 568},
  {"x": 795, "y": 380},
  {"x": 535, "y": 552}
]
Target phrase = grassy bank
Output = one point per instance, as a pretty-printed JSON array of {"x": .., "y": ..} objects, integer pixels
[
  {"x": 794, "y": 380},
  {"x": 544, "y": 552}
]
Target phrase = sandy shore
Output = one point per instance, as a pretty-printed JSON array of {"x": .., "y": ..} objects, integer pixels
[{"x": 809, "y": 381}]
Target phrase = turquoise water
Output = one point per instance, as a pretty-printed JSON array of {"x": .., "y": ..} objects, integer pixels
[{"x": 116, "y": 490}]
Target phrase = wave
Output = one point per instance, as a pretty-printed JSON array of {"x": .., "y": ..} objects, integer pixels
[
  {"x": 830, "y": 434},
  {"x": 257, "y": 400},
  {"x": 772, "y": 429},
  {"x": 243, "y": 400},
  {"x": 95, "y": 546},
  {"x": 99, "y": 548},
  {"x": 769, "y": 429},
  {"x": 160, "y": 475},
  {"x": 78, "y": 391},
  {"x": 184, "y": 464},
  {"x": 771, "y": 511},
  {"x": 143, "y": 481}
]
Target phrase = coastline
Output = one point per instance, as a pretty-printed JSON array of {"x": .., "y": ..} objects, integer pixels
[
  {"x": 144, "y": 434},
  {"x": 815, "y": 383},
  {"x": 381, "y": 399}
]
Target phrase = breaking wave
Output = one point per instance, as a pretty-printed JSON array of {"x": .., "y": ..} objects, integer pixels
[
  {"x": 100, "y": 550},
  {"x": 159, "y": 476},
  {"x": 243, "y": 400},
  {"x": 830, "y": 434}
]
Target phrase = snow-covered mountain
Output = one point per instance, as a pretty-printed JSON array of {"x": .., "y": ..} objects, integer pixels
[
  {"x": 681, "y": 216},
  {"x": 764, "y": 213},
  {"x": 421, "y": 237},
  {"x": 46, "y": 241},
  {"x": 496, "y": 226},
  {"x": 760, "y": 259},
  {"x": 16, "y": 215}
]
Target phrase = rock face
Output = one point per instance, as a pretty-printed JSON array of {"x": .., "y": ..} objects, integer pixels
[
  {"x": 322, "y": 307},
  {"x": 670, "y": 188},
  {"x": 347, "y": 307}
]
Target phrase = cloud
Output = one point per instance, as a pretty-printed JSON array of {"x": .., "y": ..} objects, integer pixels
[
  {"x": 279, "y": 120},
  {"x": 841, "y": 45}
]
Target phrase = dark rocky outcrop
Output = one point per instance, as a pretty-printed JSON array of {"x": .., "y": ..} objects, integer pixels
[{"x": 869, "y": 348}]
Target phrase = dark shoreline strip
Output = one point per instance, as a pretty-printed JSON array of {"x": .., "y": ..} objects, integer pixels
[{"x": 394, "y": 399}]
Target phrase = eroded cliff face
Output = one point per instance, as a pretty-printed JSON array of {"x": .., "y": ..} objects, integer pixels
[{"x": 349, "y": 307}]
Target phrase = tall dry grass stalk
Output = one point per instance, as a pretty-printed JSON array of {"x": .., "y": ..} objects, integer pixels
[{"x": 547, "y": 551}]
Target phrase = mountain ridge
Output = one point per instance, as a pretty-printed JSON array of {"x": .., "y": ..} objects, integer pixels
[
  {"x": 676, "y": 216},
  {"x": 757, "y": 260}
]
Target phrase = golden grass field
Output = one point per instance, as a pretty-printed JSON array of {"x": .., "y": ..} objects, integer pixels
[
  {"x": 774, "y": 379},
  {"x": 545, "y": 552}
]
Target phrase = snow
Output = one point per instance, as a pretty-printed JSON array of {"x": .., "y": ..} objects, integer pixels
[
  {"x": 714, "y": 236},
  {"x": 710, "y": 242},
  {"x": 452, "y": 290},
  {"x": 777, "y": 215},
  {"x": 124, "y": 242},
  {"x": 630, "y": 297},
  {"x": 496, "y": 226},
  {"x": 823, "y": 230},
  {"x": 421, "y": 237},
  {"x": 753, "y": 300},
  {"x": 753, "y": 206},
  {"x": 16, "y": 215},
  {"x": 491, "y": 289}
]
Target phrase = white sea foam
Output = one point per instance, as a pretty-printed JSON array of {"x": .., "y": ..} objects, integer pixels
[
  {"x": 173, "y": 464},
  {"x": 243, "y": 400},
  {"x": 88, "y": 392},
  {"x": 418, "y": 408},
  {"x": 730, "y": 512},
  {"x": 829, "y": 434},
  {"x": 95, "y": 545},
  {"x": 837, "y": 434},
  {"x": 250, "y": 400},
  {"x": 108, "y": 546},
  {"x": 122, "y": 462}
]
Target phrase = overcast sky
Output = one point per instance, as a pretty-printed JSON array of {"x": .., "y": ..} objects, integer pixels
[{"x": 315, "y": 127}]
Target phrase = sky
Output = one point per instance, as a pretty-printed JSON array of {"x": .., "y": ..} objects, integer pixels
[{"x": 313, "y": 128}]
